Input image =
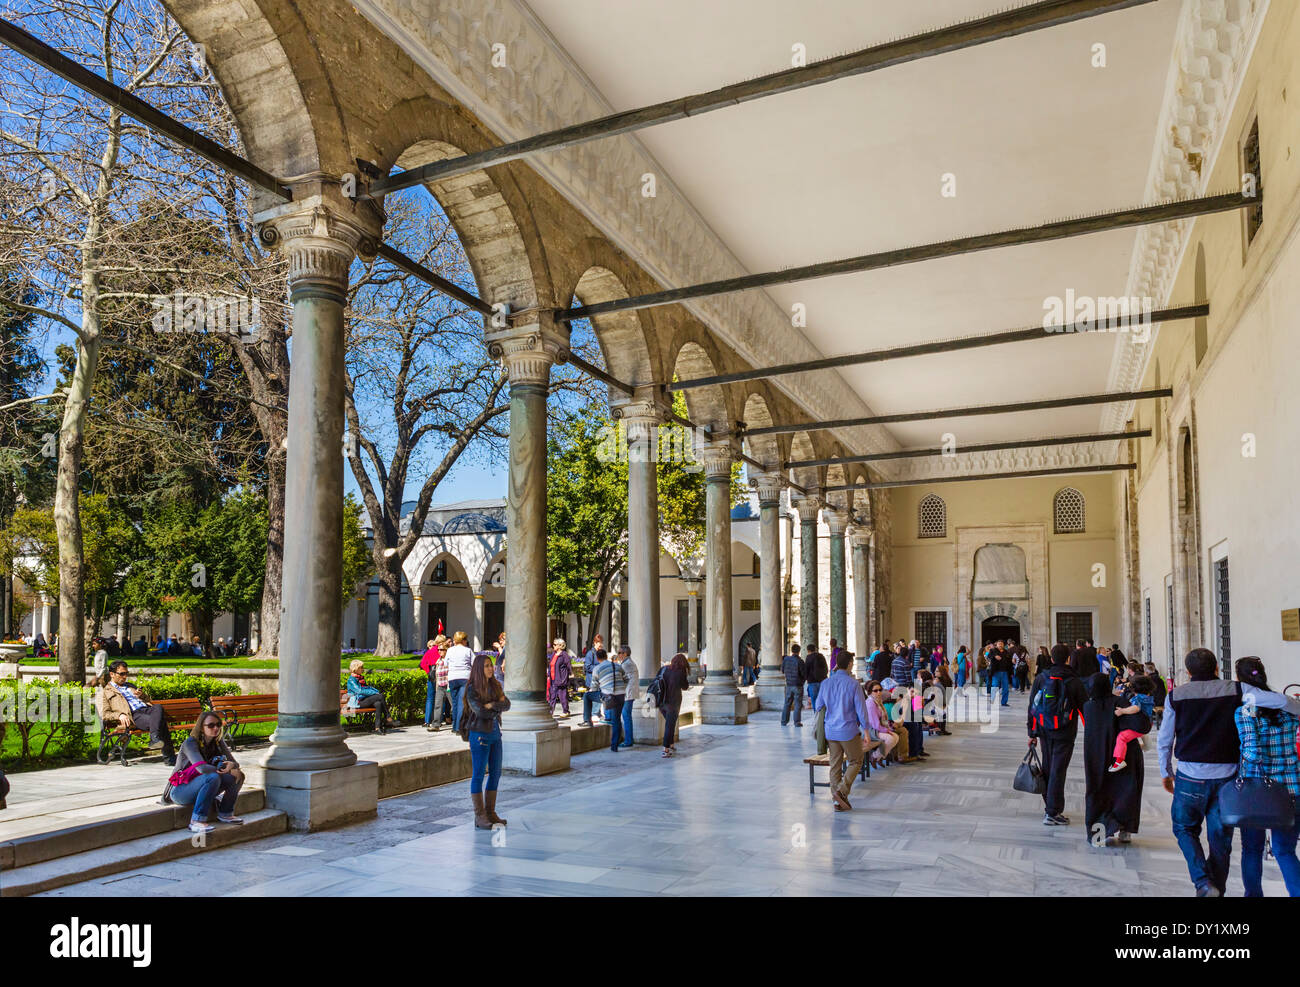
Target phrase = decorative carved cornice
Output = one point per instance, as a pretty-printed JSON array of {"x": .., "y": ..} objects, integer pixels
[
  {"x": 542, "y": 89},
  {"x": 860, "y": 536},
  {"x": 527, "y": 352},
  {"x": 1210, "y": 50}
]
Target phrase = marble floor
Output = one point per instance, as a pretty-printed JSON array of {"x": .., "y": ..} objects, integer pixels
[{"x": 731, "y": 815}]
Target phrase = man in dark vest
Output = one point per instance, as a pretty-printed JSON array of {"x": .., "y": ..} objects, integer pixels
[
  {"x": 1055, "y": 700},
  {"x": 1199, "y": 729},
  {"x": 816, "y": 670}
]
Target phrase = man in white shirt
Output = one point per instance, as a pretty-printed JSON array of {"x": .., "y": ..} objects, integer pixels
[{"x": 633, "y": 692}]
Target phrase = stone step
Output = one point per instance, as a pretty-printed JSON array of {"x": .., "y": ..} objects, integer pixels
[
  {"x": 125, "y": 821},
  {"x": 133, "y": 854}
]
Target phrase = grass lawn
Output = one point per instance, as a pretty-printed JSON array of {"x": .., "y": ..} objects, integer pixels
[{"x": 181, "y": 663}]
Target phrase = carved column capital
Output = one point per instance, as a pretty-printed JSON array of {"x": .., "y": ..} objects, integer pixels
[
  {"x": 808, "y": 508},
  {"x": 717, "y": 453},
  {"x": 837, "y": 519},
  {"x": 528, "y": 350},
  {"x": 642, "y": 412},
  {"x": 860, "y": 536},
  {"x": 320, "y": 232},
  {"x": 769, "y": 488}
]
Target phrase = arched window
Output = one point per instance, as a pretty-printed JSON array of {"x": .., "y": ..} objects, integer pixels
[
  {"x": 1067, "y": 511},
  {"x": 440, "y": 572},
  {"x": 933, "y": 517}
]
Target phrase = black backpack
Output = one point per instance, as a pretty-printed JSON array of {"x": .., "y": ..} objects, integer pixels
[
  {"x": 655, "y": 690},
  {"x": 1052, "y": 707}
]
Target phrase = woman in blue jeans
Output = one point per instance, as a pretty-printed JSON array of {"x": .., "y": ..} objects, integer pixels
[
  {"x": 1268, "y": 741},
  {"x": 206, "y": 771},
  {"x": 485, "y": 701}
]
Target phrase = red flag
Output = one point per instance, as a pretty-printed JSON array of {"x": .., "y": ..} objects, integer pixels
[{"x": 439, "y": 625}]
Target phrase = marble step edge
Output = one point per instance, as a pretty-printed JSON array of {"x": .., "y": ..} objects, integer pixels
[
  {"x": 150, "y": 820},
  {"x": 133, "y": 854}
]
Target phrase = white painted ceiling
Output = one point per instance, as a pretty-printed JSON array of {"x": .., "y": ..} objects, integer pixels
[{"x": 1030, "y": 130}]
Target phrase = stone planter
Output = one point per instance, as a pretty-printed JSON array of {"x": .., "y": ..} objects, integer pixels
[{"x": 8, "y": 669}]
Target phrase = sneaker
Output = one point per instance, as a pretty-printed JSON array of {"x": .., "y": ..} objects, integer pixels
[
  {"x": 1056, "y": 820},
  {"x": 1124, "y": 837},
  {"x": 201, "y": 827},
  {"x": 430, "y": 727},
  {"x": 1117, "y": 766},
  {"x": 666, "y": 753},
  {"x": 1209, "y": 891},
  {"x": 798, "y": 724},
  {"x": 231, "y": 820},
  {"x": 841, "y": 803},
  {"x": 922, "y": 754}
]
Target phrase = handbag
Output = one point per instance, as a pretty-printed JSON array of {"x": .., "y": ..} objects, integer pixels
[
  {"x": 1256, "y": 803},
  {"x": 1029, "y": 776}
]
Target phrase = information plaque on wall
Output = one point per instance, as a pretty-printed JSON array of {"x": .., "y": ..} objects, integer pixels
[
  {"x": 750, "y": 605},
  {"x": 1291, "y": 625}
]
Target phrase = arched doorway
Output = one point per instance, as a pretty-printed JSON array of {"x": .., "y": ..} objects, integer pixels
[
  {"x": 999, "y": 628},
  {"x": 750, "y": 637}
]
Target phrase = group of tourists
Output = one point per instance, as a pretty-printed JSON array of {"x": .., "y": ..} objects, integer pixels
[{"x": 1215, "y": 736}]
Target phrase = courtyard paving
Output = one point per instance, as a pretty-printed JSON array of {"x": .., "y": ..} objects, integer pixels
[{"x": 731, "y": 815}]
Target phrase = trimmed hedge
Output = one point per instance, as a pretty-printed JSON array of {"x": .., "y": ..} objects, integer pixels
[
  {"x": 42, "y": 720},
  {"x": 183, "y": 686}
]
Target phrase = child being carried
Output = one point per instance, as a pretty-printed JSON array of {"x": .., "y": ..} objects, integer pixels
[{"x": 1139, "y": 695}]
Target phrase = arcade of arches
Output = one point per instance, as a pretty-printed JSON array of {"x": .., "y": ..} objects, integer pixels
[{"x": 1140, "y": 556}]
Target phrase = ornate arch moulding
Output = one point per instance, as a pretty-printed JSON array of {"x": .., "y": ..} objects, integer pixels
[
  {"x": 1212, "y": 48},
  {"x": 544, "y": 90}
]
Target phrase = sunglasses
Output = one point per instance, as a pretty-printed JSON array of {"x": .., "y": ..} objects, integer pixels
[{"x": 211, "y": 725}]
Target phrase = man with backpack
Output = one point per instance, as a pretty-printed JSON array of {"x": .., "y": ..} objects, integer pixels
[
  {"x": 815, "y": 672},
  {"x": 1055, "y": 700},
  {"x": 792, "y": 668}
]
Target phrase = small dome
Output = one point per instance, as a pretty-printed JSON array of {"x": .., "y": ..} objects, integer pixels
[{"x": 472, "y": 523}]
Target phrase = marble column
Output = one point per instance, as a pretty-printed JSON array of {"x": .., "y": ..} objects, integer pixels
[
  {"x": 860, "y": 539},
  {"x": 808, "y": 508},
  {"x": 310, "y": 773},
  {"x": 363, "y": 617},
  {"x": 478, "y": 621},
  {"x": 533, "y": 742},
  {"x": 616, "y": 617},
  {"x": 720, "y": 700},
  {"x": 641, "y": 415},
  {"x": 417, "y": 623},
  {"x": 837, "y": 520},
  {"x": 771, "y": 685},
  {"x": 693, "y": 625}
]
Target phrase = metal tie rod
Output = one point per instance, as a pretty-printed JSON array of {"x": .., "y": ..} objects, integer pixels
[
  {"x": 994, "y": 27},
  {"x": 980, "y": 409},
  {"x": 926, "y": 481},
  {"x": 1026, "y": 334},
  {"x": 1059, "y": 440},
  {"x": 1162, "y": 212},
  {"x": 682, "y": 420}
]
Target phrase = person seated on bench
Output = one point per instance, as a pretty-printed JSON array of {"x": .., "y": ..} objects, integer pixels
[
  {"x": 206, "y": 770},
  {"x": 125, "y": 705},
  {"x": 878, "y": 726},
  {"x": 364, "y": 696}
]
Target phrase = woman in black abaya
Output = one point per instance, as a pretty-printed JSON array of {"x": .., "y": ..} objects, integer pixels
[{"x": 1112, "y": 801}]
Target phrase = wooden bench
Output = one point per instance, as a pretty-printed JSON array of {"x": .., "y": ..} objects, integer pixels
[
  {"x": 824, "y": 761},
  {"x": 181, "y": 715},
  {"x": 350, "y": 713},
  {"x": 238, "y": 712}
]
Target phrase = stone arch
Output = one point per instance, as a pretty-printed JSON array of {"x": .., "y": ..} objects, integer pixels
[
  {"x": 457, "y": 571},
  {"x": 835, "y": 476},
  {"x": 490, "y": 213},
  {"x": 621, "y": 335},
  {"x": 764, "y": 448},
  {"x": 290, "y": 125},
  {"x": 801, "y": 448},
  {"x": 705, "y": 405}
]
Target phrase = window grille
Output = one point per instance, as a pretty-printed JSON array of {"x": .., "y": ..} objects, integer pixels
[
  {"x": 1068, "y": 511},
  {"x": 933, "y": 516}
]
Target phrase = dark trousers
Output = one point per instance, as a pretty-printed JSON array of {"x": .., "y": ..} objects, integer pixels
[
  {"x": 670, "y": 727},
  {"x": 793, "y": 700},
  {"x": 377, "y": 703},
  {"x": 1196, "y": 802},
  {"x": 154, "y": 719},
  {"x": 915, "y": 737},
  {"x": 614, "y": 716},
  {"x": 1056, "y": 747}
]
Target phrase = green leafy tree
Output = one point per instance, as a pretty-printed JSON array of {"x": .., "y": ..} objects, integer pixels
[{"x": 358, "y": 563}]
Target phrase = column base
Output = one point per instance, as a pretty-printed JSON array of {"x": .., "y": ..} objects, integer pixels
[
  {"x": 860, "y": 669},
  {"x": 321, "y": 799},
  {"x": 694, "y": 669},
  {"x": 722, "y": 707},
  {"x": 536, "y": 752},
  {"x": 770, "y": 689}
]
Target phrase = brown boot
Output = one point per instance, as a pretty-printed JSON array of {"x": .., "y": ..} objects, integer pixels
[
  {"x": 490, "y": 799},
  {"x": 481, "y": 820}
]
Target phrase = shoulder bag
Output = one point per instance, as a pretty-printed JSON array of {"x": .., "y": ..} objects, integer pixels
[
  {"x": 1256, "y": 803},
  {"x": 1029, "y": 776}
]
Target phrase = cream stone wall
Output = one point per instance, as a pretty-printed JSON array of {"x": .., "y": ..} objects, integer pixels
[
  {"x": 931, "y": 573},
  {"x": 1241, "y": 384}
]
